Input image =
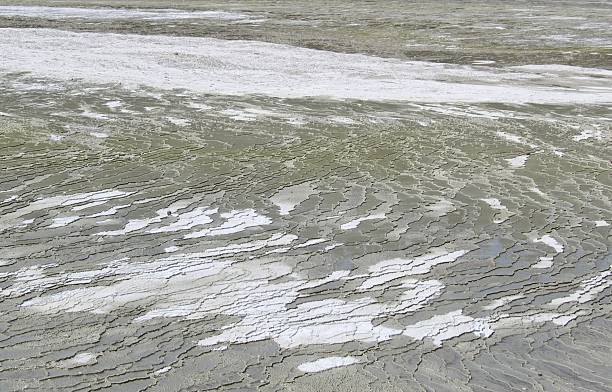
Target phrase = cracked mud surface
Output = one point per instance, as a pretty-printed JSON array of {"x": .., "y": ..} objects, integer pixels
[{"x": 205, "y": 214}]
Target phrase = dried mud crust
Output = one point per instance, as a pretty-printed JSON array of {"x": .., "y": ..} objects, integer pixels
[
  {"x": 194, "y": 239},
  {"x": 459, "y": 32}
]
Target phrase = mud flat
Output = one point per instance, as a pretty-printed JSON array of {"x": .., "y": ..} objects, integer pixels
[{"x": 194, "y": 199}]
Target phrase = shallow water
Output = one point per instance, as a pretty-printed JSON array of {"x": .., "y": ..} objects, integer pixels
[{"x": 280, "y": 213}]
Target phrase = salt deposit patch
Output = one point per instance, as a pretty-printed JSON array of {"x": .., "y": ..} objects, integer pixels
[
  {"x": 327, "y": 363},
  {"x": 558, "y": 69},
  {"x": 329, "y": 321},
  {"x": 12, "y": 218},
  {"x": 236, "y": 221},
  {"x": 290, "y": 197},
  {"x": 10, "y": 199},
  {"x": 537, "y": 191},
  {"x": 587, "y": 134},
  {"x": 517, "y": 162},
  {"x": 514, "y": 138},
  {"x": 388, "y": 270},
  {"x": 63, "y": 221},
  {"x": 178, "y": 277},
  {"x": 80, "y": 359},
  {"x": 356, "y": 222},
  {"x": 181, "y": 122},
  {"x": 113, "y": 104},
  {"x": 217, "y": 66},
  {"x": 114, "y": 13},
  {"x": 588, "y": 289},
  {"x": 308, "y": 243},
  {"x": 188, "y": 220},
  {"x": 551, "y": 242},
  {"x": 110, "y": 211},
  {"x": 197, "y": 285},
  {"x": 545, "y": 262},
  {"x": 441, "y": 208},
  {"x": 162, "y": 370},
  {"x": 89, "y": 205},
  {"x": 502, "y": 301},
  {"x": 184, "y": 221},
  {"x": 447, "y": 326},
  {"x": 342, "y": 120},
  {"x": 512, "y": 321},
  {"x": 496, "y": 204}
]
